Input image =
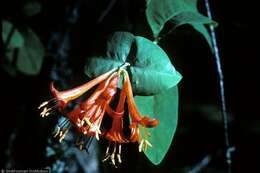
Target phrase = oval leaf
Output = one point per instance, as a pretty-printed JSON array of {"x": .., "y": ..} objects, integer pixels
[
  {"x": 178, "y": 12},
  {"x": 151, "y": 69},
  {"x": 163, "y": 106},
  {"x": 30, "y": 56},
  {"x": 11, "y": 35}
]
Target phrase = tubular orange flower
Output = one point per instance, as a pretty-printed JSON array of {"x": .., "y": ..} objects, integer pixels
[
  {"x": 137, "y": 118},
  {"x": 88, "y": 116},
  {"x": 62, "y": 98},
  {"x": 134, "y": 113},
  {"x": 115, "y": 134}
]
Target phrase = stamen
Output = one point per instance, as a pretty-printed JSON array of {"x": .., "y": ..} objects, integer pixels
[
  {"x": 113, "y": 156},
  {"x": 82, "y": 122},
  {"x": 61, "y": 138},
  {"x": 57, "y": 132},
  {"x": 119, "y": 154},
  {"x": 43, "y": 104},
  {"x": 97, "y": 136},
  {"x": 45, "y": 112},
  {"x": 119, "y": 149},
  {"x": 148, "y": 143},
  {"x": 141, "y": 145},
  {"x": 106, "y": 158},
  {"x": 107, "y": 155},
  {"x": 63, "y": 134},
  {"x": 81, "y": 146},
  {"x": 88, "y": 122},
  {"x": 98, "y": 132},
  {"x": 48, "y": 107},
  {"x": 81, "y": 142},
  {"x": 119, "y": 158},
  {"x": 107, "y": 150},
  {"x": 52, "y": 102}
]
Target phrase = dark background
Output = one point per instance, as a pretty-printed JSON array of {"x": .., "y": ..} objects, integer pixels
[{"x": 200, "y": 131}]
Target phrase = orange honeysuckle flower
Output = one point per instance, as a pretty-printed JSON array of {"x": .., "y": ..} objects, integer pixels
[
  {"x": 62, "y": 98},
  {"x": 137, "y": 118},
  {"x": 133, "y": 111},
  {"x": 115, "y": 134},
  {"x": 88, "y": 116}
]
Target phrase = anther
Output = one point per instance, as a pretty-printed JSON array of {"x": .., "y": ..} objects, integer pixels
[
  {"x": 88, "y": 122},
  {"x": 141, "y": 145},
  {"x": 43, "y": 104},
  {"x": 119, "y": 154},
  {"x": 113, "y": 155},
  {"x": 57, "y": 132}
]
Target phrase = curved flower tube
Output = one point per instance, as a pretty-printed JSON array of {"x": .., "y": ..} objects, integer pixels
[
  {"x": 62, "y": 98},
  {"x": 88, "y": 116},
  {"x": 134, "y": 113},
  {"x": 66, "y": 96},
  {"x": 137, "y": 118},
  {"x": 116, "y": 134}
]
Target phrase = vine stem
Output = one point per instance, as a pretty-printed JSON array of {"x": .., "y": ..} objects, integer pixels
[
  {"x": 108, "y": 9},
  {"x": 229, "y": 149}
]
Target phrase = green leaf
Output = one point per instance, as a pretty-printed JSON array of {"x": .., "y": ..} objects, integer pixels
[
  {"x": 32, "y": 8},
  {"x": 30, "y": 56},
  {"x": 178, "y": 12},
  {"x": 151, "y": 70},
  {"x": 196, "y": 20},
  {"x": 164, "y": 107},
  {"x": 203, "y": 30},
  {"x": 11, "y": 35}
]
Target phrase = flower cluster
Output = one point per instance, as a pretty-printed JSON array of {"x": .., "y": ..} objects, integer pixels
[{"x": 87, "y": 117}]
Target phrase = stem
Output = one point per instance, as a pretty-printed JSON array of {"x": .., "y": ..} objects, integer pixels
[
  {"x": 105, "y": 13},
  {"x": 124, "y": 65},
  {"x": 229, "y": 149}
]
